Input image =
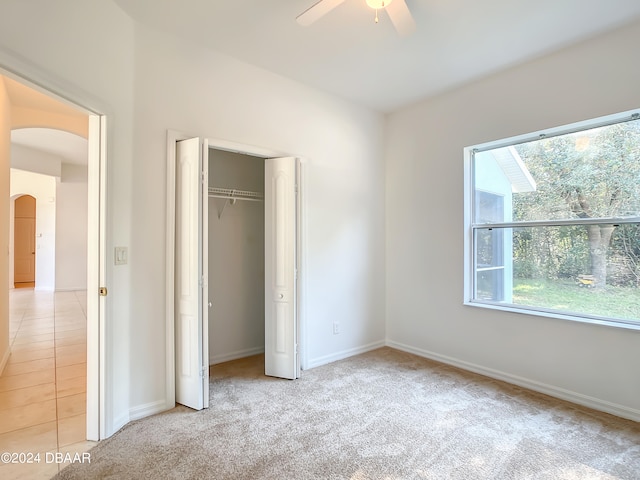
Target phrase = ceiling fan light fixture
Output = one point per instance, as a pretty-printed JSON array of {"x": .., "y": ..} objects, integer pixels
[
  {"x": 378, "y": 4},
  {"x": 397, "y": 11}
]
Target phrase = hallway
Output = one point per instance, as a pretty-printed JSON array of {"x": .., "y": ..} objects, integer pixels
[{"x": 43, "y": 386}]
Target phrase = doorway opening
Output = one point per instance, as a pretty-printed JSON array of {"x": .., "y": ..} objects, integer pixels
[
  {"x": 248, "y": 264},
  {"x": 63, "y": 143},
  {"x": 24, "y": 242},
  {"x": 236, "y": 256}
]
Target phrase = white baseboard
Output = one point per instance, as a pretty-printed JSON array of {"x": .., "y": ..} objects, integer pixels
[
  {"x": 44, "y": 289},
  {"x": 227, "y": 357},
  {"x": 72, "y": 289},
  {"x": 118, "y": 423},
  {"x": 316, "y": 362},
  {"x": 147, "y": 410},
  {"x": 551, "y": 390}
]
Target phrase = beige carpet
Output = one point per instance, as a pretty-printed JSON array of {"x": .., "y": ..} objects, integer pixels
[{"x": 381, "y": 415}]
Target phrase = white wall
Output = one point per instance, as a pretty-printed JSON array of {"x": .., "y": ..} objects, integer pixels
[
  {"x": 182, "y": 87},
  {"x": 84, "y": 51},
  {"x": 590, "y": 364},
  {"x": 71, "y": 228},
  {"x": 236, "y": 259},
  {"x": 37, "y": 161},
  {"x": 43, "y": 189}
]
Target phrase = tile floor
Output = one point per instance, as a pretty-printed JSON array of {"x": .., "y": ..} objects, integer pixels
[{"x": 43, "y": 386}]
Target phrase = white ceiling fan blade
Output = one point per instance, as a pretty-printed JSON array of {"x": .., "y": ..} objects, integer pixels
[
  {"x": 316, "y": 11},
  {"x": 401, "y": 17}
]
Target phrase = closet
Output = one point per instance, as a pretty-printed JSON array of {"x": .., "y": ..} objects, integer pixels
[{"x": 236, "y": 256}]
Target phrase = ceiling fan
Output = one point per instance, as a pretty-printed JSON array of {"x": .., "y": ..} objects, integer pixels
[{"x": 397, "y": 10}]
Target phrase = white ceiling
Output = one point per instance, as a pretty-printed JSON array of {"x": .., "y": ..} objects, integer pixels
[
  {"x": 70, "y": 148},
  {"x": 347, "y": 54}
]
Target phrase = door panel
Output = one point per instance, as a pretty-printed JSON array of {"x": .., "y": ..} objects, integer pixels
[
  {"x": 280, "y": 263},
  {"x": 190, "y": 366},
  {"x": 25, "y": 240},
  {"x": 25, "y": 248},
  {"x": 204, "y": 269}
]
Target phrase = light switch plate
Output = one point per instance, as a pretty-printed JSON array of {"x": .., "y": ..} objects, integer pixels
[{"x": 120, "y": 256}]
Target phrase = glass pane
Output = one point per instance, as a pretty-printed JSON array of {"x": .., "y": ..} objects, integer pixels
[
  {"x": 490, "y": 285},
  {"x": 489, "y": 207},
  {"x": 593, "y": 173},
  {"x": 489, "y": 248},
  {"x": 592, "y": 269}
]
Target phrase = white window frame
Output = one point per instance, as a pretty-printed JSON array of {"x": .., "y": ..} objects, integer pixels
[{"x": 469, "y": 226}]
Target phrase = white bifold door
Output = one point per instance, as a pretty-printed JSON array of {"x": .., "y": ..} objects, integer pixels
[
  {"x": 191, "y": 271},
  {"x": 280, "y": 257},
  {"x": 190, "y": 283}
]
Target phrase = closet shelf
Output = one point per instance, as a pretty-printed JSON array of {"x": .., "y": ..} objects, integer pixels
[{"x": 233, "y": 194}]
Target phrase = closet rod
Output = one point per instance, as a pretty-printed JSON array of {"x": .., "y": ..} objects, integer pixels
[
  {"x": 233, "y": 194},
  {"x": 231, "y": 197}
]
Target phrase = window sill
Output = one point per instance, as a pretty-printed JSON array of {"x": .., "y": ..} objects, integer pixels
[{"x": 605, "y": 322}]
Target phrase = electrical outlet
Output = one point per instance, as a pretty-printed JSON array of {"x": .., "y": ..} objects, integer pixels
[{"x": 336, "y": 328}]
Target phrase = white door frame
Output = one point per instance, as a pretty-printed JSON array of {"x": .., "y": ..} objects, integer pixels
[
  {"x": 96, "y": 274},
  {"x": 218, "y": 144},
  {"x": 96, "y": 278}
]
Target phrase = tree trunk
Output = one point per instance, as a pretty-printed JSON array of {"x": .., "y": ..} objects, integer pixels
[{"x": 599, "y": 238}]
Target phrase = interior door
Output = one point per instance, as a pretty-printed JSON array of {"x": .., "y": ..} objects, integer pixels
[
  {"x": 192, "y": 372},
  {"x": 281, "y": 326},
  {"x": 25, "y": 239},
  {"x": 25, "y": 250}
]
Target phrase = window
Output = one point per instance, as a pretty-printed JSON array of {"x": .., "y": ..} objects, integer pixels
[{"x": 553, "y": 222}]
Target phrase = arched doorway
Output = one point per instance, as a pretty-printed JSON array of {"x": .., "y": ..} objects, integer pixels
[{"x": 24, "y": 242}]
